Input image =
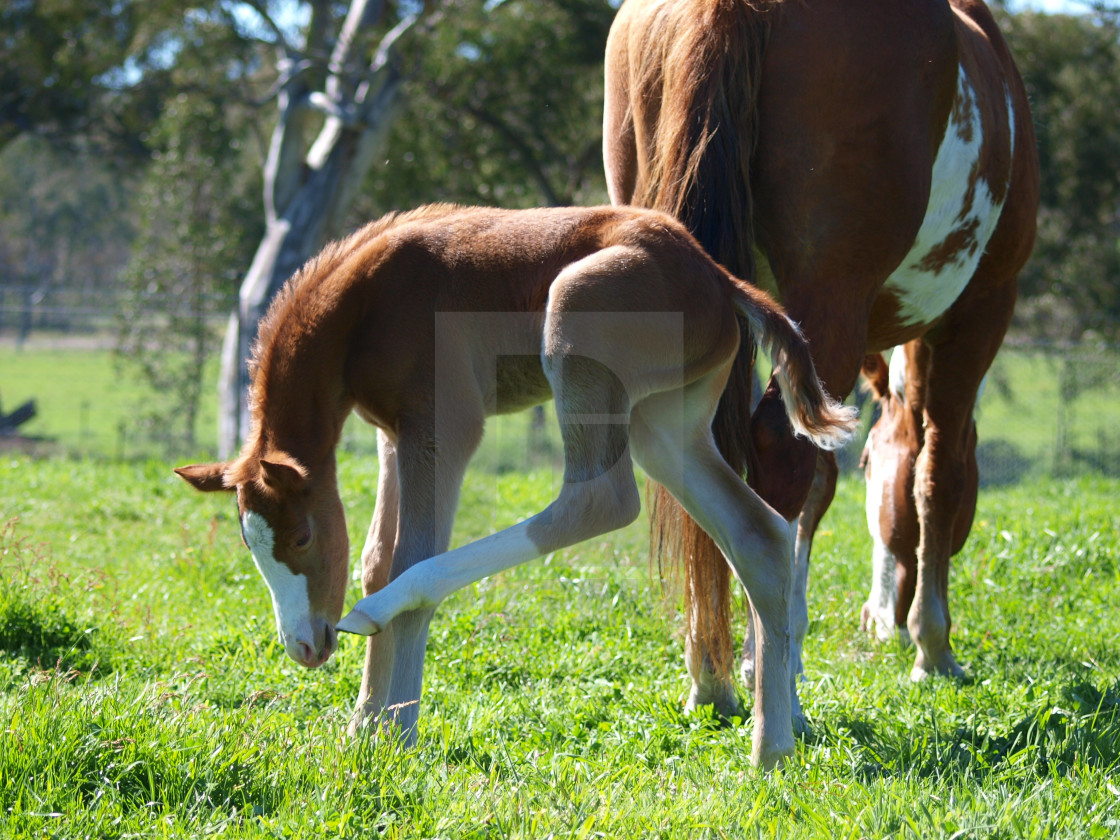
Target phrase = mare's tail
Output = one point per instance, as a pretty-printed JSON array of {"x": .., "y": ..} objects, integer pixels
[
  {"x": 812, "y": 414},
  {"x": 704, "y": 61}
]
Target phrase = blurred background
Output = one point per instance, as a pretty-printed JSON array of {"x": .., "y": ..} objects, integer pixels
[{"x": 165, "y": 165}]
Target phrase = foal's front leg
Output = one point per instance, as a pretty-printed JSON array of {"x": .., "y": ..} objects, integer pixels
[
  {"x": 377, "y": 561},
  {"x": 429, "y": 481},
  {"x": 599, "y": 495}
]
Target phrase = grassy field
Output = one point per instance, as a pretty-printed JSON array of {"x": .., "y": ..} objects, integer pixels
[
  {"x": 143, "y": 692},
  {"x": 1028, "y": 431}
]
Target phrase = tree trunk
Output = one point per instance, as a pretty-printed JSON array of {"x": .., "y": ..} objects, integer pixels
[{"x": 307, "y": 193}]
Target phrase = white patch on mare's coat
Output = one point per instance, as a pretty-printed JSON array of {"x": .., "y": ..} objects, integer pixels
[
  {"x": 290, "y": 601},
  {"x": 896, "y": 378},
  {"x": 933, "y": 273}
]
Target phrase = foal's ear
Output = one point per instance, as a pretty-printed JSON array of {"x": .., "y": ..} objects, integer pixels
[
  {"x": 282, "y": 472},
  {"x": 205, "y": 477}
]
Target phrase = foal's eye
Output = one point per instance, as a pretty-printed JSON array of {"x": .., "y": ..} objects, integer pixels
[{"x": 303, "y": 538}]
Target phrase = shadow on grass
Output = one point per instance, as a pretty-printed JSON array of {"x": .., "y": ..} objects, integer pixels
[
  {"x": 46, "y": 637},
  {"x": 1081, "y": 729},
  {"x": 34, "y": 626}
]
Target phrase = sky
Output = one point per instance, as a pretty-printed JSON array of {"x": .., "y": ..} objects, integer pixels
[{"x": 1052, "y": 6}]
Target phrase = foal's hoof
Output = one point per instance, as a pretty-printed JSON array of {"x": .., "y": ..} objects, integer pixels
[
  {"x": 746, "y": 673},
  {"x": 360, "y": 724},
  {"x": 358, "y": 623},
  {"x": 771, "y": 757}
]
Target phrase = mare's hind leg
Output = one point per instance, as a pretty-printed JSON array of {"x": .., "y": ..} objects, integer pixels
[
  {"x": 892, "y": 517},
  {"x": 674, "y": 444},
  {"x": 710, "y": 688},
  {"x": 889, "y": 456},
  {"x": 960, "y": 351}
]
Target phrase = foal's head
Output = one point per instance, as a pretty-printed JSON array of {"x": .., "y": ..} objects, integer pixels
[{"x": 293, "y": 523}]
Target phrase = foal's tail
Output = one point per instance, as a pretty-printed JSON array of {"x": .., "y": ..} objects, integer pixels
[{"x": 812, "y": 412}]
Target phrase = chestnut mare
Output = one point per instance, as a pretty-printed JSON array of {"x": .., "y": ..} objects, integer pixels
[
  {"x": 872, "y": 164},
  {"x": 426, "y": 323}
]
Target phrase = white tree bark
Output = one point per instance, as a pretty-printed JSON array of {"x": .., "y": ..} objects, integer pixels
[{"x": 307, "y": 191}]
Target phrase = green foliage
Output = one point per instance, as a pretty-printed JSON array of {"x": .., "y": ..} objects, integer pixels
[
  {"x": 90, "y": 71},
  {"x": 194, "y": 242},
  {"x": 505, "y": 108},
  {"x": 1071, "y": 65},
  {"x": 552, "y": 702}
]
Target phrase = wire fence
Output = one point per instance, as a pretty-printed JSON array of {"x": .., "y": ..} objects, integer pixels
[
  {"x": 1050, "y": 410},
  {"x": 27, "y": 311},
  {"x": 1047, "y": 410}
]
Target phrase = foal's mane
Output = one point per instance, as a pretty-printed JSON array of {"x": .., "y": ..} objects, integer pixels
[{"x": 314, "y": 293}]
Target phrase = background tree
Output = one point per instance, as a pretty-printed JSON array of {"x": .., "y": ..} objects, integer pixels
[
  {"x": 346, "y": 78},
  {"x": 476, "y": 101},
  {"x": 1071, "y": 65},
  {"x": 197, "y": 203},
  {"x": 505, "y": 108}
]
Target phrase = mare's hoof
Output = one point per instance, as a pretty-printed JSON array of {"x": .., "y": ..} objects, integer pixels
[{"x": 946, "y": 667}]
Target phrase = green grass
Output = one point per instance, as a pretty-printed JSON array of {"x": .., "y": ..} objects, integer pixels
[
  {"x": 87, "y": 404},
  {"x": 1049, "y": 414},
  {"x": 143, "y": 691}
]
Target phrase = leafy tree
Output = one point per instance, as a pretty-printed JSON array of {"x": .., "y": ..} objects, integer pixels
[
  {"x": 505, "y": 108},
  {"x": 82, "y": 69},
  {"x": 1071, "y": 65},
  {"x": 199, "y": 223}
]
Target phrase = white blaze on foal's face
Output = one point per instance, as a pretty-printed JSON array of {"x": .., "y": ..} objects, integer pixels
[{"x": 290, "y": 600}]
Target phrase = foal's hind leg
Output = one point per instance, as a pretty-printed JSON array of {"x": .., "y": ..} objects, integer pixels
[
  {"x": 820, "y": 497},
  {"x": 676, "y": 448}
]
